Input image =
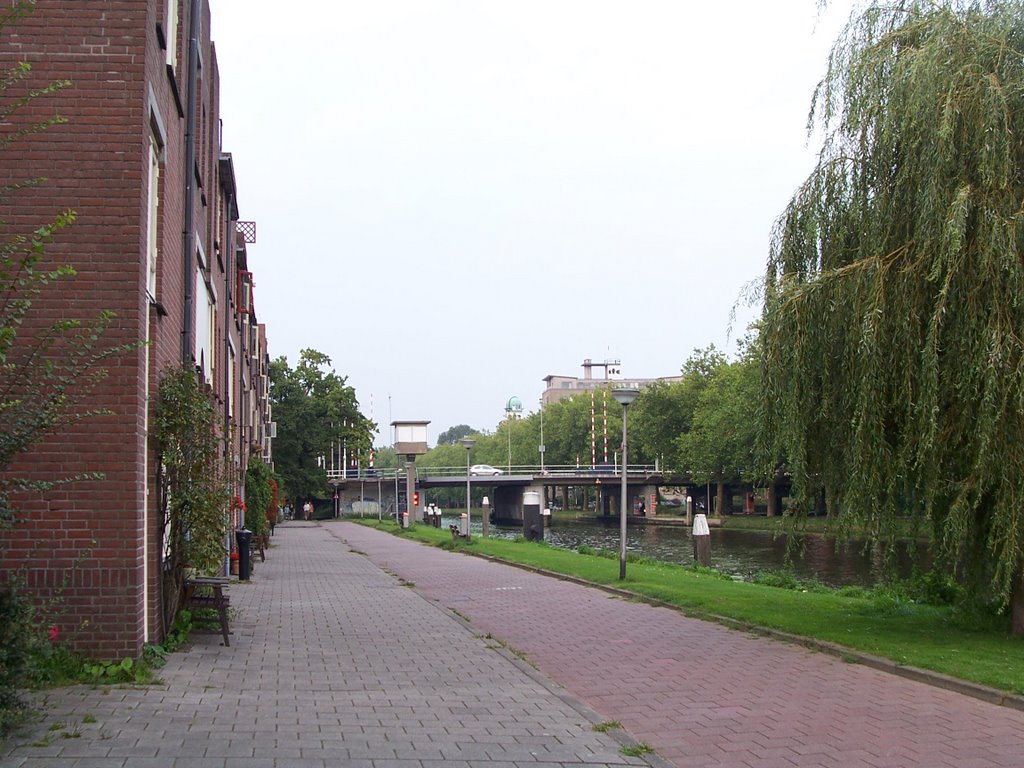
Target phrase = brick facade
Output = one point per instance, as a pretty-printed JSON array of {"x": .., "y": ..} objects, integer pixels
[{"x": 89, "y": 548}]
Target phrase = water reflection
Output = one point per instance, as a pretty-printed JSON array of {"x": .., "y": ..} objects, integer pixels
[{"x": 738, "y": 553}]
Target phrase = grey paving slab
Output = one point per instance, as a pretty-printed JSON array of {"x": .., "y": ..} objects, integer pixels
[
  {"x": 699, "y": 693},
  {"x": 333, "y": 660}
]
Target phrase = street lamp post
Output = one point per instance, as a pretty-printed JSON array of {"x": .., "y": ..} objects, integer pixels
[
  {"x": 624, "y": 397},
  {"x": 467, "y": 443},
  {"x": 542, "y": 446}
]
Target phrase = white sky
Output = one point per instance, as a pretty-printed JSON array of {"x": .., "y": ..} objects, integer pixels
[{"x": 455, "y": 199}]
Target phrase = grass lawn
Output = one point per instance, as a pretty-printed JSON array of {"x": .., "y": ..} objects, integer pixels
[{"x": 938, "y": 638}]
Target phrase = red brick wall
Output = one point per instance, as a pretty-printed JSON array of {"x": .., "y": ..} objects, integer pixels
[{"x": 85, "y": 543}]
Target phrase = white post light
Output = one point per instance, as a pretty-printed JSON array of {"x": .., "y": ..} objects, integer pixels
[{"x": 624, "y": 397}]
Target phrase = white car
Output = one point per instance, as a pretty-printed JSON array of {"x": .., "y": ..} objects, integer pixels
[{"x": 484, "y": 469}]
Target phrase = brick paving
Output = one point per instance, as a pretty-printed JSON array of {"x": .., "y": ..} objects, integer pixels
[
  {"x": 333, "y": 661},
  {"x": 699, "y": 693}
]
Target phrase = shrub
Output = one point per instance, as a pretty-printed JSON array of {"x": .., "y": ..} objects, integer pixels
[{"x": 16, "y": 640}]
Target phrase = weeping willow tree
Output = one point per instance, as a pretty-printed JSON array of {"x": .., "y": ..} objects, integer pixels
[{"x": 893, "y": 328}]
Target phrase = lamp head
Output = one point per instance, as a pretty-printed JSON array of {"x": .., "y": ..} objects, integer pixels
[{"x": 625, "y": 397}]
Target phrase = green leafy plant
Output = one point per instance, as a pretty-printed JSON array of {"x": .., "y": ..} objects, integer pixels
[
  {"x": 193, "y": 493},
  {"x": 127, "y": 670},
  {"x": 258, "y": 495},
  {"x": 636, "y": 750}
]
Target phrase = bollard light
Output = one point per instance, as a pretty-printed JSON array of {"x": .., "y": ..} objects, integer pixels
[
  {"x": 625, "y": 398},
  {"x": 701, "y": 541}
]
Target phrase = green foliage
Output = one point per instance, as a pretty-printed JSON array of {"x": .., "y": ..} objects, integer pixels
[
  {"x": 194, "y": 498},
  {"x": 452, "y": 435},
  {"x": 16, "y": 634},
  {"x": 315, "y": 412},
  {"x": 665, "y": 411},
  {"x": 636, "y": 750},
  {"x": 893, "y": 365},
  {"x": 720, "y": 444},
  {"x": 111, "y": 671},
  {"x": 258, "y": 495},
  {"x": 178, "y": 636}
]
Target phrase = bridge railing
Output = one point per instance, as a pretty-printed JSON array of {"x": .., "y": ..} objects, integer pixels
[{"x": 568, "y": 470}]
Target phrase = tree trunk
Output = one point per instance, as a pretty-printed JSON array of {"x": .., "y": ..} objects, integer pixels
[{"x": 1017, "y": 605}]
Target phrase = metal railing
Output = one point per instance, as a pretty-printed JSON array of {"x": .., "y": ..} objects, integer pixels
[{"x": 567, "y": 470}]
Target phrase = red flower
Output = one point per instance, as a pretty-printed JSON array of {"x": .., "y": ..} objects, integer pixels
[{"x": 53, "y": 634}]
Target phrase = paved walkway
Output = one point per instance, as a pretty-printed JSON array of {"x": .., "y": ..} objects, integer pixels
[
  {"x": 332, "y": 662},
  {"x": 356, "y": 648},
  {"x": 701, "y": 694}
]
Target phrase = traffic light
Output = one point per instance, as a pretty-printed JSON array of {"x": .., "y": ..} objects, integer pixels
[{"x": 416, "y": 499}]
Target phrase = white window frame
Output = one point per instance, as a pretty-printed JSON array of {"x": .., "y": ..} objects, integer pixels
[
  {"x": 153, "y": 217},
  {"x": 171, "y": 32}
]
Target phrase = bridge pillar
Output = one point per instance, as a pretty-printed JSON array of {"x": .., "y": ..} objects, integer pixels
[
  {"x": 607, "y": 504},
  {"x": 723, "y": 501},
  {"x": 649, "y": 493},
  {"x": 508, "y": 503}
]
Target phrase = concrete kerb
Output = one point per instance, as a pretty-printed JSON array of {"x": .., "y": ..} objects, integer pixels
[{"x": 974, "y": 690}]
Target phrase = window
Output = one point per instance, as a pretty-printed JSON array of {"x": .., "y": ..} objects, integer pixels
[
  {"x": 152, "y": 216},
  {"x": 231, "y": 378},
  {"x": 172, "y": 34},
  {"x": 244, "y": 306},
  {"x": 206, "y": 305}
]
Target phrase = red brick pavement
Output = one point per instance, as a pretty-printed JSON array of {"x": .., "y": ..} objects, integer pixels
[{"x": 699, "y": 693}]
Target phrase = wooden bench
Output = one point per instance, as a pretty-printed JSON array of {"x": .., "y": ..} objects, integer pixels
[
  {"x": 256, "y": 545},
  {"x": 208, "y": 592}
]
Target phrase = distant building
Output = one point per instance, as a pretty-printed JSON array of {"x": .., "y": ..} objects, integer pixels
[{"x": 560, "y": 387}]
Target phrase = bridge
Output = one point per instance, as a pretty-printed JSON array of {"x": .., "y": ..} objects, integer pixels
[
  {"x": 643, "y": 482},
  {"x": 506, "y": 490}
]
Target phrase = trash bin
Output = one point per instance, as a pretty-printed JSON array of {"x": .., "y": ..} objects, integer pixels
[{"x": 243, "y": 538}]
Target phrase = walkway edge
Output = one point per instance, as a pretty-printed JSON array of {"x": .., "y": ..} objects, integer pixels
[
  {"x": 620, "y": 735},
  {"x": 927, "y": 676}
]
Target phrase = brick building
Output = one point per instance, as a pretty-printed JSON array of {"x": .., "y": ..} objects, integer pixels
[{"x": 157, "y": 240}]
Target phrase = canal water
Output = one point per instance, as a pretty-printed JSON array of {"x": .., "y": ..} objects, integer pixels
[{"x": 740, "y": 554}]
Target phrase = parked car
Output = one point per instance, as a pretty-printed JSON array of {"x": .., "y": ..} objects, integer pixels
[{"x": 484, "y": 469}]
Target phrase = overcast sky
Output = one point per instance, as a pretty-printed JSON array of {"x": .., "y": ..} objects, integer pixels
[{"x": 455, "y": 199}]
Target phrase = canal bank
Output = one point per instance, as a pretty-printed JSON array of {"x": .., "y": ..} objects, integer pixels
[{"x": 742, "y": 553}]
